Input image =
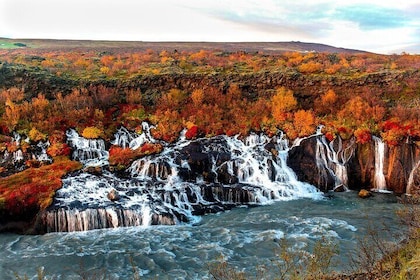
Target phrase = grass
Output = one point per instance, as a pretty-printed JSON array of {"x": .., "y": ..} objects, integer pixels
[{"x": 8, "y": 44}]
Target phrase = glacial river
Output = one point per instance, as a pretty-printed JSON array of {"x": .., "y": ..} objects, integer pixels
[{"x": 247, "y": 237}]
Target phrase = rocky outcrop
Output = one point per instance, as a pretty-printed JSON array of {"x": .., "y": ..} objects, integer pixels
[
  {"x": 400, "y": 166},
  {"x": 401, "y": 161}
]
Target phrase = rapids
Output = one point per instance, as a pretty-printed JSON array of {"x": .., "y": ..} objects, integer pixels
[{"x": 246, "y": 237}]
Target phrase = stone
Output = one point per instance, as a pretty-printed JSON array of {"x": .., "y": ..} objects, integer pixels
[
  {"x": 364, "y": 193},
  {"x": 113, "y": 195},
  {"x": 340, "y": 188},
  {"x": 94, "y": 170}
]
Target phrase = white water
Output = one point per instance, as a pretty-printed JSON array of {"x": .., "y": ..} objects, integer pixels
[
  {"x": 90, "y": 152},
  {"x": 165, "y": 189},
  {"x": 127, "y": 139},
  {"x": 39, "y": 153},
  {"x": 331, "y": 158},
  {"x": 245, "y": 237},
  {"x": 379, "y": 182},
  {"x": 411, "y": 184}
]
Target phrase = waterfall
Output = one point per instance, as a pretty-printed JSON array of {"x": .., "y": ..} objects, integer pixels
[
  {"x": 379, "y": 182},
  {"x": 331, "y": 160},
  {"x": 18, "y": 158},
  {"x": 90, "y": 152},
  {"x": 186, "y": 179},
  {"x": 413, "y": 179},
  {"x": 42, "y": 155}
]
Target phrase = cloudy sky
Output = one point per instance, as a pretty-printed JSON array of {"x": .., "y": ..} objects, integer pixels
[{"x": 384, "y": 26}]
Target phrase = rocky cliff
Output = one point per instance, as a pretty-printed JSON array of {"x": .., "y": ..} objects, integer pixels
[
  {"x": 329, "y": 165},
  {"x": 252, "y": 84}
]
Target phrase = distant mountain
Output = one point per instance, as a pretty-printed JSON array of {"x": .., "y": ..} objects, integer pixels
[{"x": 267, "y": 47}]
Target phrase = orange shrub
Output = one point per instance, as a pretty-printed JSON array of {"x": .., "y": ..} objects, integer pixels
[
  {"x": 304, "y": 123},
  {"x": 58, "y": 149},
  {"x": 310, "y": 67},
  {"x": 121, "y": 157},
  {"x": 281, "y": 103}
]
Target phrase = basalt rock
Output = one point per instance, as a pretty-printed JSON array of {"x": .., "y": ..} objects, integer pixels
[
  {"x": 400, "y": 166},
  {"x": 302, "y": 159},
  {"x": 401, "y": 160}
]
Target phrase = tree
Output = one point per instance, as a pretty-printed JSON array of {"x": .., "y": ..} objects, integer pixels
[
  {"x": 325, "y": 103},
  {"x": 282, "y": 103},
  {"x": 304, "y": 122}
]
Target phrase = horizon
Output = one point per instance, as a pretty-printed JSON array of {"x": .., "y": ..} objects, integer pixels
[{"x": 384, "y": 27}]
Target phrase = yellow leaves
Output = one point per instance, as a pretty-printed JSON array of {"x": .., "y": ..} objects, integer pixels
[
  {"x": 36, "y": 135},
  {"x": 105, "y": 70},
  {"x": 188, "y": 124},
  {"x": 11, "y": 115},
  {"x": 92, "y": 132}
]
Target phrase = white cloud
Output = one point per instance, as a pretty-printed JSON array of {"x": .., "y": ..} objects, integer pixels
[{"x": 213, "y": 20}]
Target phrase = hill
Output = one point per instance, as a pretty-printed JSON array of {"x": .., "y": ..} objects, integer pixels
[{"x": 266, "y": 47}]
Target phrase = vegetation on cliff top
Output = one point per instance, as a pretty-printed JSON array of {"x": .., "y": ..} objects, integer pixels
[{"x": 23, "y": 194}]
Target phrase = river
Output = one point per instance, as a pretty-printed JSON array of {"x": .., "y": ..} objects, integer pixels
[{"x": 247, "y": 237}]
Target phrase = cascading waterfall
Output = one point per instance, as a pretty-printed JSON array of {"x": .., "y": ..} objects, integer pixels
[
  {"x": 36, "y": 152},
  {"x": 127, "y": 139},
  {"x": 379, "y": 182},
  {"x": 90, "y": 152},
  {"x": 42, "y": 155},
  {"x": 186, "y": 179},
  {"x": 331, "y": 159},
  {"x": 414, "y": 175}
]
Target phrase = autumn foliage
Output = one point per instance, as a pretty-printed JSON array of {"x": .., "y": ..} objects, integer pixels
[
  {"x": 121, "y": 158},
  {"x": 33, "y": 189}
]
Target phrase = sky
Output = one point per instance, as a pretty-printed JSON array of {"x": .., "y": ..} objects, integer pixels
[{"x": 382, "y": 26}]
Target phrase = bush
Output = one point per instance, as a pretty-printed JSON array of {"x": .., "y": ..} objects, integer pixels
[{"x": 92, "y": 132}]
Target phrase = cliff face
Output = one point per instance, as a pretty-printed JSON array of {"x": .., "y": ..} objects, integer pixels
[
  {"x": 366, "y": 166},
  {"x": 305, "y": 87}
]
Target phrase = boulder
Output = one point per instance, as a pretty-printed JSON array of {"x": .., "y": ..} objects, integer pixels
[
  {"x": 364, "y": 193},
  {"x": 340, "y": 188},
  {"x": 113, "y": 195},
  {"x": 94, "y": 170}
]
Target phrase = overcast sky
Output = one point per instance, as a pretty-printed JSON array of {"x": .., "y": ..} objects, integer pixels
[{"x": 385, "y": 26}]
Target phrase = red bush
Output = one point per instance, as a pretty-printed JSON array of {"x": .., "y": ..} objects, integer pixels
[
  {"x": 192, "y": 132},
  {"x": 363, "y": 135}
]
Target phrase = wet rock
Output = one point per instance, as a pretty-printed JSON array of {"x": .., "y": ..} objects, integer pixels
[
  {"x": 94, "y": 170},
  {"x": 364, "y": 193},
  {"x": 399, "y": 163},
  {"x": 340, "y": 188},
  {"x": 302, "y": 159},
  {"x": 113, "y": 195}
]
